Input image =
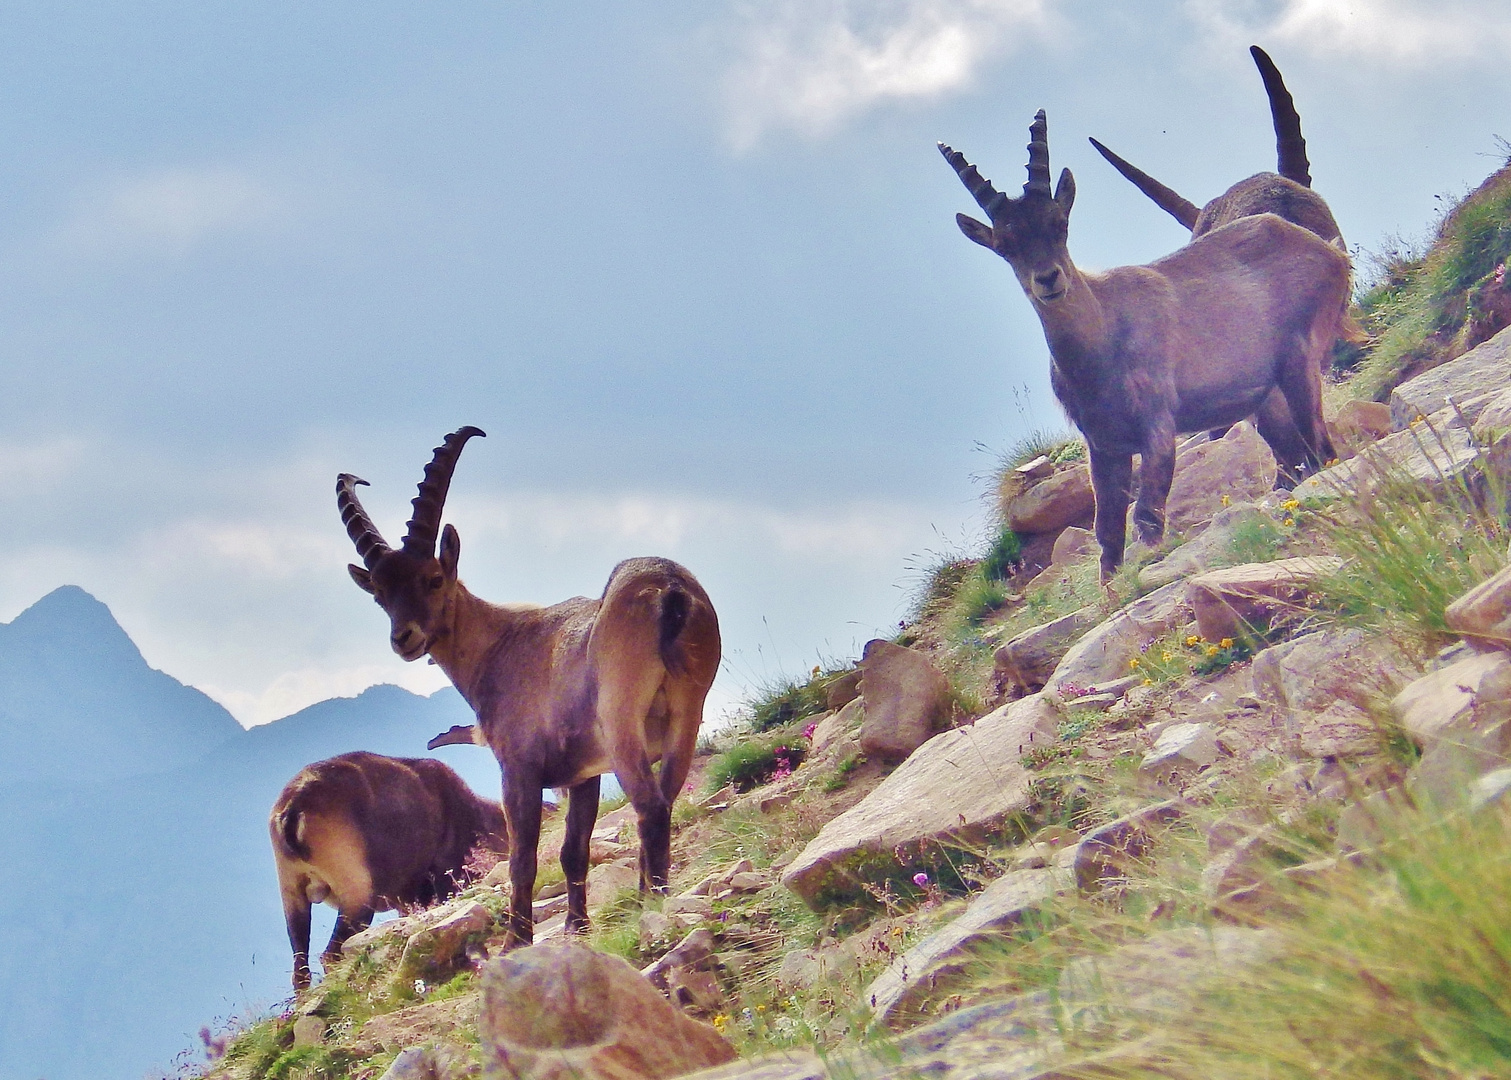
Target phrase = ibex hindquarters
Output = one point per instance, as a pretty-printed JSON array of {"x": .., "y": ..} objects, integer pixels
[
  {"x": 563, "y": 693},
  {"x": 367, "y": 833}
]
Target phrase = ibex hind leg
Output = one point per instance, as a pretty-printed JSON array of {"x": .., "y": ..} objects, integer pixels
[
  {"x": 623, "y": 703},
  {"x": 1273, "y": 419},
  {"x": 582, "y": 811},
  {"x": 347, "y": 924}
]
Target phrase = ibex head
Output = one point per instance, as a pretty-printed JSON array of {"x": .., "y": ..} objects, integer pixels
[
  {"x": 1029, "y": 231},
  {"x": 413, "y": 584}
]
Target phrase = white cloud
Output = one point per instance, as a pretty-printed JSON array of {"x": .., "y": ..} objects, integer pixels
[
  {"x": 1392, "y": 31},
  {"x": 808, "y": 65},
  {"x": 669, "y": 523},
  {"x": 170, "y": 212},
  {"x": 27, "y": 469},
  {"x": 295, "y": 690}
]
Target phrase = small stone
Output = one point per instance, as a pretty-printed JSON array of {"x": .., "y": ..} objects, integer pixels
[
  {"x": 309, "y": 1031},
  {"x": 1181, "y": 747},
  {"x": 688, "y": 905},
  {"x": 438, "y": 949},
  {"x": 748, "y": 881},
  {"x": 654, "y": 927},
  {"x": 414, "y": 1063},
  {"x": 1490, "y": 789}
]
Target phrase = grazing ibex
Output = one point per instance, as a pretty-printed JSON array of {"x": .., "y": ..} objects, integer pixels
[
  {"x": 563, "y": 693},
  {"x": 367, "y": 833},
  {"x": 1286, "y": 192},
  {"x": 1192, "y": 341}
]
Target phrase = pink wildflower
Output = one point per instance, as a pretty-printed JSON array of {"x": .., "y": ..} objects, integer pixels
[{"x": 921, "y": 880}]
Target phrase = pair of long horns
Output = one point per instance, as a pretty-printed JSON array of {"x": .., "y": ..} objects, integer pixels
[
  {"x": 1290, "y": 148},
  {"x": 989, "y": 198},
  {"x": 422, "y": 529}
]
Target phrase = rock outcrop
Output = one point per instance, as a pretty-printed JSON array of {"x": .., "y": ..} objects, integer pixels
[
  {"x": 953, "y": 788},
  {"x": 565, "y": 1012},
  {"x": 906, "y": 699}
]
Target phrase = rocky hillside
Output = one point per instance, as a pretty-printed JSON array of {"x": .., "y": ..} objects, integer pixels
[{"x": 1242, "y": 812}]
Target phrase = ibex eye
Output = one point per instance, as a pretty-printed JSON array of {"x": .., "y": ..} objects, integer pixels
[{"x": 436, "y": 582}]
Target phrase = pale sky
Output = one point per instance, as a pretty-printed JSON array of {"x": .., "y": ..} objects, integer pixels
[{"x": 692, "y": 266}]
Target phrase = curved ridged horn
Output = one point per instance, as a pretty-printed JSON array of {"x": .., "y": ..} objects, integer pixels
[
  {"x": 986, "y": 196},
  {"x": 1038, "y": 156},
  {"x": 422, "y": 528},
  {"x": 1290, "y": 147},
  {"x": 370, "y": 545},
  {"x": 1182, "y": 210}
]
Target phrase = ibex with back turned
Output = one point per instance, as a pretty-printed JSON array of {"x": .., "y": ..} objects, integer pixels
[
  {"x": 563, "y": 693},
  {"x": 366, "y": 833},
  {"x": 1286, "y": 192},
  {"x": 1192, "y": 341}
]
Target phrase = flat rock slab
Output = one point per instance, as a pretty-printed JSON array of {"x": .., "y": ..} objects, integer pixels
[
  {"x": 1483, "y": 614},
  {"x": 1229, "y": 603},
  {"x": 905, "y": 700},
  {"x": 1483, "y": 369},
  {"x": 1326, "y": 672},
  {"x": 565, "y": 1012},
  {"x": 419, "y": 1024},
  {"x": 1431, "y": 453},
  {"x": 1450, "y": 702},
  {"x": 1156, "y": 979},
  {"x": 1214, "y": 547},
  {"x": 1001, "y": 905},
  {"x": 957, "y": 786},
  {"x": 1103, "y": 653},
  {"x": 1028, "y": 660},
  {"x": 1240, "y": 465}
]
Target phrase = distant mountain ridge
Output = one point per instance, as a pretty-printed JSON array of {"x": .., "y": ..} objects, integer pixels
[
  {"x": 79, "y": 704},
  {"x": 136, "y": 882}
]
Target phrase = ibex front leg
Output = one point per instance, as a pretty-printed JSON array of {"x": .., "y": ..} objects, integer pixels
[
  {"x": 1111, "y": 479},
  {"x": 522, "y": 808}
]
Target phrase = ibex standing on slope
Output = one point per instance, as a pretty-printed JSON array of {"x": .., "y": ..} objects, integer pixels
[
  {"x": 1195, "y": 340},
  {"x": 562, "y": 694},
  {"x": 367, "y": 833}
]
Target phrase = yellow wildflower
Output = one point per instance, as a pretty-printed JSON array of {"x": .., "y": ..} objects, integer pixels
[
  {"x": 1288, "y": 522},
  {"x": 1133, "y": 664},
  {"x": 1290, "y": 504},
  {"x": 1226, "y": 643},
  {"x": 1226, "y": 500},
  {"x": 760, "y": 1008},
  {"x": 1212, "y": 650},
  {"x": 1192, "y": 641},
  {"x": 897, "y": 931},
  {"x": 1148, "y": 682}
]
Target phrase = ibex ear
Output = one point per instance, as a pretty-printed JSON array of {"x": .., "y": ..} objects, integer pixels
[
  {"x": 451, "y": 550},
  {"x": 975, "y": 230},
  {"x": 1065, "y": 191},
  {"x": 361, "y": 577}
]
